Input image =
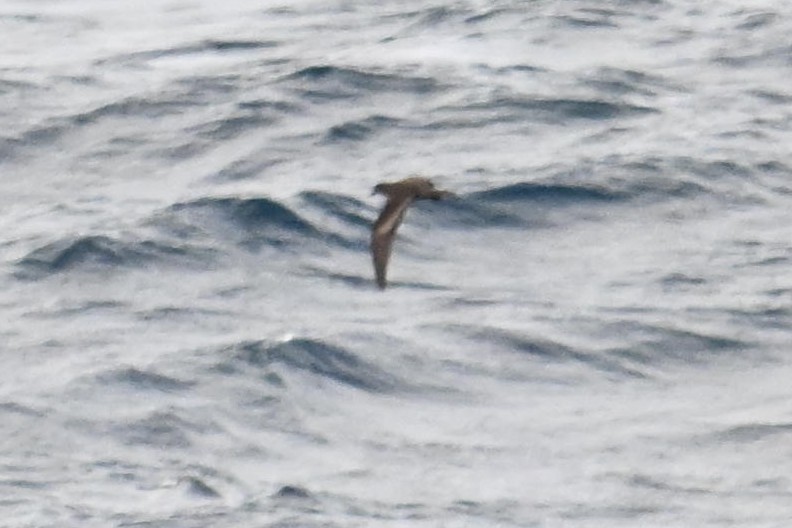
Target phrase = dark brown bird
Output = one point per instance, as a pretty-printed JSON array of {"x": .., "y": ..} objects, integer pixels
[{"x": 400, "y": 195}]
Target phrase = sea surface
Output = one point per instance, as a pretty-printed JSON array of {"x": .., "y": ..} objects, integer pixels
[{"x": 596, "y": 333}]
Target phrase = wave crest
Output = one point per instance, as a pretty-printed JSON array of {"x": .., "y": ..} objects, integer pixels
[
  {"x": 311, "y": 356},
  {"x": 104, "y": 252}
]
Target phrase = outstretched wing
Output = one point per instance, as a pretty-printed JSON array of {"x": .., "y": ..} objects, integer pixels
[{"x": 382, "y": 235}]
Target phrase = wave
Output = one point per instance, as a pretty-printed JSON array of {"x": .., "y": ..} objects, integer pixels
[
  {"x": 565, "y": 109},
  {"x": 103, "y": 252},
  {"x": 678, "y": 280},
  {"x": 652, "y": 348},
  {"x": 469, "y": 211},
  {"x": 771, "y": 56},
  {"x": 54, "y": 129},
  {"x": 327, "y": 82},
  {"x": 250, "y": 223},
  {"x": 160, "y": 429},
  {"x": 521, "y": 204},
  {"x": 245, "y": 169},
  {"x": 255, "y": 223},
  {"x": 359, "y": 130},
  {"x": 505, "y": 206},
  {"x": 231, "y": 127},
  {"x": 248, "y": 116},
  {"x": 646, "y": 181},
  {"x": 142, "y": 380},
  {"x": 353, "y": 281},
  {"x": 183, "y": 97},
  {"x": 292, "y": 492},
  {"x": 754, "y": 20},
  {"x": 616, "y": 81},
  {"x": 204, "y": 46},
  {"x": 19, "y": 17},
  {"x": 548, "y": 351},
  {"x": 41, "y": 135},
  {"x": 498, "y": 207},
  {"x": 687, "y": 177},
  {"x": 139, "y": 108},
  {"x": 776, "y": 318},
  {"x": 588, "y": 18},
  {"x": 751, "y": 433},
  {"x": 197, "y": 487},
  {"x": 664, "y": 346},
  {"x": 247, "y": 214},
  {"x": 515, "y": 108},
  {"x": 547, "y": 193},
  {"x": 197, "y": 233},
  {"x": 12, "y": 85},
  {"x": 11, "y": 407},
  {"x": 490, "y": 15},
  {"x": 316, "y": 358},
  {"x": 349, "y": 210}
]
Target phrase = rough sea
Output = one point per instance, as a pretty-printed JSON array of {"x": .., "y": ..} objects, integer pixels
[{"x": 596, "y": 333}]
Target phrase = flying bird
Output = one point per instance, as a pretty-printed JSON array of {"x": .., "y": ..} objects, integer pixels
[{"x": 400, "y": 195}]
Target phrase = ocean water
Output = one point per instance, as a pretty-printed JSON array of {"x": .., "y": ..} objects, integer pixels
[{"x": 595, "y": 333}]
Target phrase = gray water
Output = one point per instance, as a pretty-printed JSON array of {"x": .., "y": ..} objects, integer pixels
[{"x": 596, "y": 333}]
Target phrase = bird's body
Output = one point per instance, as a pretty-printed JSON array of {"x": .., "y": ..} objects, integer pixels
[{"x": 400, "y": 195}]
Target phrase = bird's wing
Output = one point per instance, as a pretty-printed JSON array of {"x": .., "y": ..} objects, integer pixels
[{"x": 383, "y": 232}]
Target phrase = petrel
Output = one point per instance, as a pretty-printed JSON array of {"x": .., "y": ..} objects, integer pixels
[{"x": 400, "y": 195}]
